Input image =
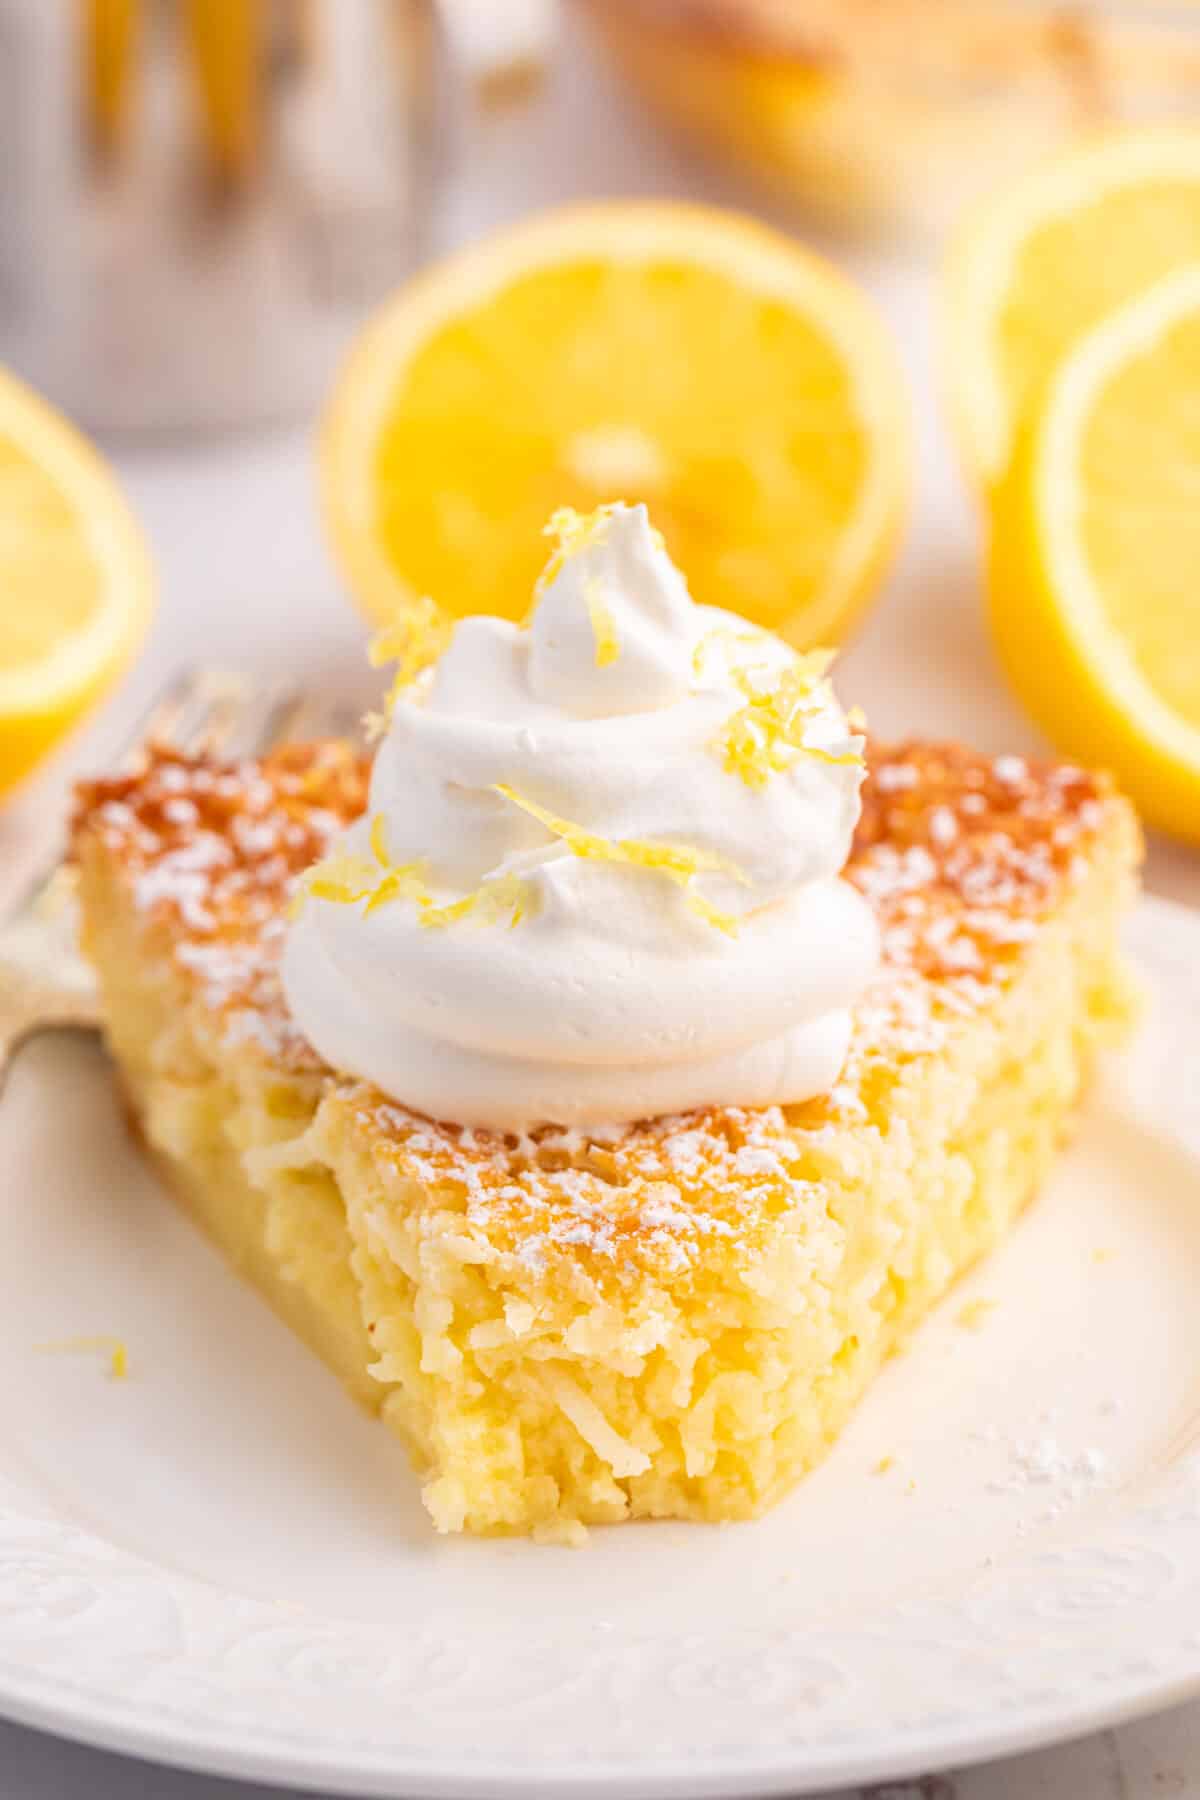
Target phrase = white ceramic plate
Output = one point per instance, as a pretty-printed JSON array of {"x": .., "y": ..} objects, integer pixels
[{"x": 217, "y": 1562}]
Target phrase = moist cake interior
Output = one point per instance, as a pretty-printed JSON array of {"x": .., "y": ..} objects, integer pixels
[{"x": 672, "y": 1319}]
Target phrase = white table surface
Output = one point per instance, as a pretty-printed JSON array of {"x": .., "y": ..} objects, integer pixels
[{"x": 246, "y": 583}]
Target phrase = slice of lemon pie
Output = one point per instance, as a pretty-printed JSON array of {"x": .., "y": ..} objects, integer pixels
[{"x": 609, "y": 1078}]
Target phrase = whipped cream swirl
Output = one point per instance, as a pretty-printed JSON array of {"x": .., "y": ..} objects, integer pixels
[{"x": 598, "y": 878}]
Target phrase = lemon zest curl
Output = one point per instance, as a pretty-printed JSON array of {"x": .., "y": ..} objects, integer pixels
[
  {"x": 767, "y": 734},
  {"x": 680, "y": 863},
  {"x": 570, "y": 532},
  {"x": 604, "y": 626},
  {"x": 414, "y": 643},
  {"x": 348, "y": 880}
]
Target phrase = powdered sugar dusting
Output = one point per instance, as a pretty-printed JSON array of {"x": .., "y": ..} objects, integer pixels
[
  {"x": 660, "y": 1198},
  {"x": 959, "y": 857},
  {"x": 214, "y": 852}
]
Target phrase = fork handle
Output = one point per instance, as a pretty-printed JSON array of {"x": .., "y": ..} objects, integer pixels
[{"x": 31, "y": 1001}]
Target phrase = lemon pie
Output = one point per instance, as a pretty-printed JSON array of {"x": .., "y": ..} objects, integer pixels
[
  {"x": 675, "y": 1319},
  {"x": 606, "y": 1162}
]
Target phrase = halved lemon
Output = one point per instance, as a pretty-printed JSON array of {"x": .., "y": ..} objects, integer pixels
[
  {"x": 667, "y": 353},
  {"x": 1037, "y": 268},
  {"x": 75, "y": 579},
  {"x": 1095, "y": 564}
]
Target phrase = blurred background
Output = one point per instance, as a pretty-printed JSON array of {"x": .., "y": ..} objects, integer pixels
[
  {"x": 200, "y": 201},
  {"x": 201, "y": 197}
]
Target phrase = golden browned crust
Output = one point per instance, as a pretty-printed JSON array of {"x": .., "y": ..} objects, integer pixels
[
  {"x": 211, "y": 852},
  {"x": 987, "y": 843},
  {"x": 960, "y": 855}
]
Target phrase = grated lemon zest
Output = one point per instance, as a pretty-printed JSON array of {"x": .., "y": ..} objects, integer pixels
[
  {"x": 856, "y": 719},
  {"x": 604, "y": 629},
  {"x": 405, "y": 882},
  {"x": 349, "y": 879},
  {"x": 712, "y": 915},
  {"x": 436, "y": 918},
  {"x": 678, "y": 861},
  {"x": 572, "y": 532},
  {"x": 414, "y": 642},
  {"x": 806, "y": 673},
  {"x": 718, "y": 635},
  {"x": 840, "y": 759},
  {"x": 343, "y": 878},
  {"x": 508, "y": 894},
  {"x": 766, "y": 735}
]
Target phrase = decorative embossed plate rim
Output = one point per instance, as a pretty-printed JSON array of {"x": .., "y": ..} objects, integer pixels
[{"x": 1067, "y": 1624}]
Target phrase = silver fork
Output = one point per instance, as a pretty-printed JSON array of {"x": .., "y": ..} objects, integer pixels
[{"x": 44, "y": 982}]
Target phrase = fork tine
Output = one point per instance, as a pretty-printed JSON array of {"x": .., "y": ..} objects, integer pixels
[
  {"x": 197, "y": 709},
  {"x": 178, "y": 717},
  {"x": 263, "y": 722},
  {"x": 220, "y": 711},
  {"x": 313, "y": 717},
  {"x": 48, "y": 885},
  {"x": 213, "y": 703},
  {"x": 156, "y": 721},
  {"x": 290, "y": 723},
  {"x": 227, "y": 714},
  {"x": 345, "y": 721}
]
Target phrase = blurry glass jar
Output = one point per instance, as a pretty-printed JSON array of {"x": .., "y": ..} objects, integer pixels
[
  {"x": 199, "y": 197},
  {"x": 889, "y": 116}
]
